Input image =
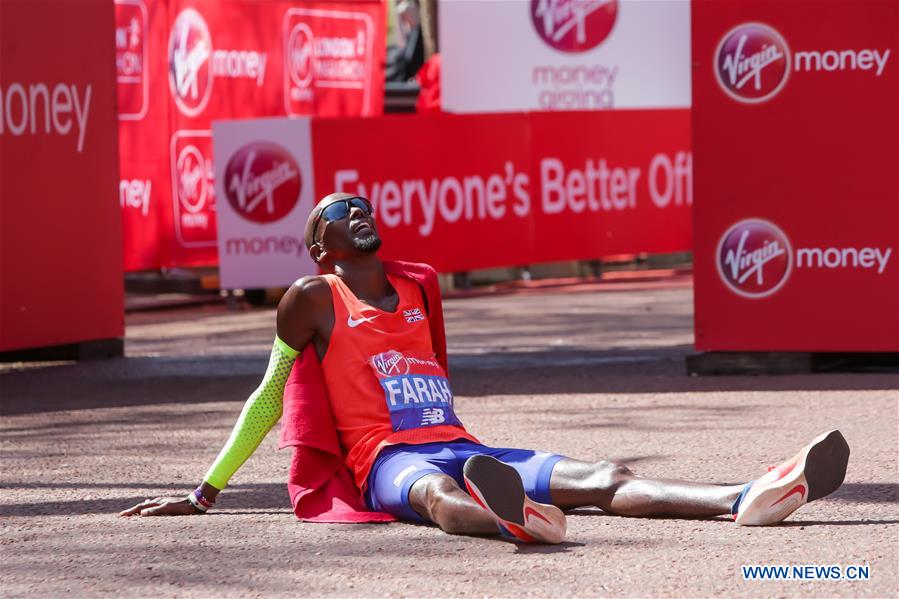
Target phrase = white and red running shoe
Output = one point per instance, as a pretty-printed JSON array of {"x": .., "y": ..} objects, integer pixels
[
  {"x": 498, "y": 489},
  {"x": 816, "y": 471}
]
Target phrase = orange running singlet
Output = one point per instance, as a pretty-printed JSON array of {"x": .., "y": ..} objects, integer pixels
[{"x": 384, "y": 383}]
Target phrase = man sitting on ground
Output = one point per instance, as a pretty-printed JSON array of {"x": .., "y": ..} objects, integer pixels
[{"x": 407, "y": 450}]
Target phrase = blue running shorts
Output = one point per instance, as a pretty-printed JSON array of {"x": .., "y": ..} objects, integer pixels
[{"x": 398, "y": 467}]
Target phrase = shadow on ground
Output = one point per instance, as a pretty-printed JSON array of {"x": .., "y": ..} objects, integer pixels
[
  {"x": 272, "y": 498},
  {"x": 163, "y": 380}
]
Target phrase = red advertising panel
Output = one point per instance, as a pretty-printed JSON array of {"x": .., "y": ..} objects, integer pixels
[
  {"x": 478, "y": 191},
  {"x": 184, "y": 63},
  {"x": 611, "y": 182},
  {"x": 333, "y": 60},
  {"x": 144, "y": 185},
  {"x": 796, "y": 137},
  {"x": 453, "y": 191},
  {"x": 60, "y": 226}
]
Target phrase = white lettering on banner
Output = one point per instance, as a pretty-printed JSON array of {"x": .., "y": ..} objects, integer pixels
[
  {"x": 842, "y": 60},
  {"x": 129, "y": 46},
  {"x": 38, "y": 110},
  {"x": 240, "y": 64},
  {"x": 844, "y": 257},
  {"x": 135, "y": 193},
  {"x": 255, "y": 246},
  {"x": 596, "y": 187},
  {"x": 667, "y": 180},
  {"x": 470, "y": 198}
]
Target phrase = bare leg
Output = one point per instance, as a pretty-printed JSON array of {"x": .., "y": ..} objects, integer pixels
[
  {"x": 614, "y": 488},
  {"x": 438, "y": 498}
]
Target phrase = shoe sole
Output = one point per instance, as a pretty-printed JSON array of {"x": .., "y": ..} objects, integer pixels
[
  {"x": 818, "y": 473},
  {"x": 497, "y": 487},
  {"x": 825, "y": 465}
]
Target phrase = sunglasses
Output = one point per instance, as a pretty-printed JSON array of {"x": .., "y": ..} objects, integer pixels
[{"x": 340, "y": 210}]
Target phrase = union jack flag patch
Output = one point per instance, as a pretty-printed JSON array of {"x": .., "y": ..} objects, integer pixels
[{"x": 413, "y": 315}]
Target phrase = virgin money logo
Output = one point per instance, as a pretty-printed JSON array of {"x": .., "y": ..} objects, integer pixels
[
  {"x": 754, "y": 258},
  {"x": 752, "y": 63},
  {"x": 190, "y": 68},
  {"x": 574, "y": 25},
  {"x": 262, "y": 182},
  {"x": 390, "y": 363},
  {"x": 192, "y": 177},
  {"x": 299, "y": 55}
]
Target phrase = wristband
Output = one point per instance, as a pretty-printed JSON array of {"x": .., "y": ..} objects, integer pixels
[{"x": 199, "y": 501}]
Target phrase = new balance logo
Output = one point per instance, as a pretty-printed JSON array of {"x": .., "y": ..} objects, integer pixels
[
  {"x": 413, "y": 315},
  {"x": 431, "y": 416}
]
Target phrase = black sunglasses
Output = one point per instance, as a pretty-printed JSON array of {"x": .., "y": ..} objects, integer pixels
[{"x": 340, "y": 209}]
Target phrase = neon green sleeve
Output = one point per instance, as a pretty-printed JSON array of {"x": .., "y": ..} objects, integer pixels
[{"x": 261, "y": 412}]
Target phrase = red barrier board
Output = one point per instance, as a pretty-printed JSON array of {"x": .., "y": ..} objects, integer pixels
[
  {"x": 453, "y": 191},
  {"x": 145, "y": 176},
  {"x": 611, "y": 182},
  {"x": 478, "y": 191},
  {"x": 796, "y": 138},
  {"x": 60, "y": 227},
  {"x": 202, "y": 60}
]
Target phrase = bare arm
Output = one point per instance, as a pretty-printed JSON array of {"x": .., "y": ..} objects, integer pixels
[{"x": 302, "y": 310}]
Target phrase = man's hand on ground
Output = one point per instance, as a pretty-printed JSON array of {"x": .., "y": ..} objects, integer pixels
[{"x": 162, "y": 507}]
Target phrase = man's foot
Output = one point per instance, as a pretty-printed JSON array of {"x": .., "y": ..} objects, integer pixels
[
  {"x": 497, "y": 488},
  {"x": 816, "y": 471}
]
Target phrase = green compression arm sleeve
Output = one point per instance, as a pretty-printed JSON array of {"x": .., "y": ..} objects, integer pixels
[{"x": 259, "y": 415}]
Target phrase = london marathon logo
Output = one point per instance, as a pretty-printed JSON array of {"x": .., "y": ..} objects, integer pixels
[
  {"x": 752, "y": 63},
  {"x": 574, "y": 25},
  {"x": 262, "y": 182},
  {"x": 754, "y": 258}
]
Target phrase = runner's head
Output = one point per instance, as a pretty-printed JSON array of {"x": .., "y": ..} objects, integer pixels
[{"x": 340, "y": 224}]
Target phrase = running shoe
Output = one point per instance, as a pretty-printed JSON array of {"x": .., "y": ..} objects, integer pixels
[
  {"x": 815, "y": 472},
  {"x": 498, "y": 489}
]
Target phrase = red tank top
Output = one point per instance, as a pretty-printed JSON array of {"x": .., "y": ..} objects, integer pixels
[{"x": 384, "y": 382}]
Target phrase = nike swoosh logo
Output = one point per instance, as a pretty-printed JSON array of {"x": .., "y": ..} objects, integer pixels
[
  {"x": 529, "y": 511},
  {"x": 797, "y": 489},
  {"x": 353, "y": 323}
]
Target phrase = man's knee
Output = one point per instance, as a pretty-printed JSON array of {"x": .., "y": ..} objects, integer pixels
[{"x": 609, "y": 475}]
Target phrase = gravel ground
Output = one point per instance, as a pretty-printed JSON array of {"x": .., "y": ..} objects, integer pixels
[{"x": 590, "y": 371}]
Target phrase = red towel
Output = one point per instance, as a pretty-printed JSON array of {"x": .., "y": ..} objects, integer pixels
[{"x": 321, "y": 487}]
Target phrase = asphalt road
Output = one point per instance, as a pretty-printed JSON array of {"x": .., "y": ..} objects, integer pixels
[{"x": 591, "y": 371}]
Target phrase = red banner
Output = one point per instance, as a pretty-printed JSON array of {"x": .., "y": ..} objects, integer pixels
[
  {"x": 606, "y": 187},
  {"x": 795, "y": 134},
  {"x": 145, "y": 183},
  {"x": 60, "y": 229},
  {"x": 477, "y": 191},
  {"x": 184, "y": 63}
]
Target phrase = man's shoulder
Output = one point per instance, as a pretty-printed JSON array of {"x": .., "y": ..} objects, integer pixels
[{"x": 306, "y": 293}]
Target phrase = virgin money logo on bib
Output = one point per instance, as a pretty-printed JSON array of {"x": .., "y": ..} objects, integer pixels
[
  {"x": 390, "y": 363},
  {"x": 190, "y": 68},
  {"x": 754, "y": 258},
  {"x": 752, "y": 63},
  {"x": 262, "y": 182},
  {"x": 574, "y": 25}
]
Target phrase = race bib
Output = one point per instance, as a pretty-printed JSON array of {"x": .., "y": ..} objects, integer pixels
[{"x": 416, "y": 390}]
